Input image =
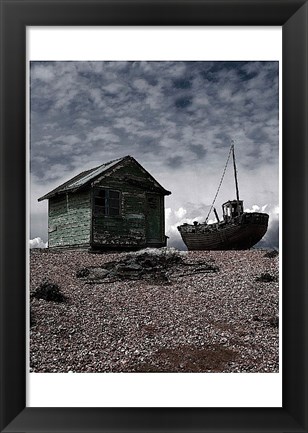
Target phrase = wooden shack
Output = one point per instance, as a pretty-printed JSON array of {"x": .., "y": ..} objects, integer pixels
[{"x": 117, "y": 205}]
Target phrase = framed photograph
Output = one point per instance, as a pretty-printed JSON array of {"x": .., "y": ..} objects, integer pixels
[{"x": 181, "y": 94}]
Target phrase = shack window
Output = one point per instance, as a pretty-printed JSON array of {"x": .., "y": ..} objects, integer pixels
[{"x": 107, "y": 202}]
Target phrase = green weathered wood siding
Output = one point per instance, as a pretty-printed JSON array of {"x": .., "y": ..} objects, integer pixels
[
  {"x": 131, "y": 227},
  {"x": 70, "y": 220}
]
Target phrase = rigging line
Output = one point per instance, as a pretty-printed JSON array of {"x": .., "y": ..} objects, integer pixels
[{"x": 222, "y": 177}]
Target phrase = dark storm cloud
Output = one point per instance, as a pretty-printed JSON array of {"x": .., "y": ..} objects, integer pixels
[
  {"x": 198, "y": 150},
  {"x": 258, "y": 135},
  {"x": 175, "y": 161},
  {"x": 182, "y": 83},
  {"x": 183, "y": 102},
  {"x": 168, "y": 115}
]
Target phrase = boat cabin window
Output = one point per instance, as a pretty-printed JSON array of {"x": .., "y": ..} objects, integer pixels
[{"x": 232, "y": 209}]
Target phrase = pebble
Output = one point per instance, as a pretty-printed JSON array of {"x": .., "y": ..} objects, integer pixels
[{"x": 224, "y": 321}]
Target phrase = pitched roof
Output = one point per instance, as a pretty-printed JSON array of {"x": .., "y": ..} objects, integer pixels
[{"x": 87, "y": 176}]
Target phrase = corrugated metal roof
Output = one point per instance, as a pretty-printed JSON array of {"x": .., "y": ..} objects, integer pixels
[{"x": 82, "y": 178}]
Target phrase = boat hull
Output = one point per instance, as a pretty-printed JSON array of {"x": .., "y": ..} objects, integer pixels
[{"x": 240, "y": 234}]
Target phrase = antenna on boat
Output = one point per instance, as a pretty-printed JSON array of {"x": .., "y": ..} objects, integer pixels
[{"x": 235, "y": 172}]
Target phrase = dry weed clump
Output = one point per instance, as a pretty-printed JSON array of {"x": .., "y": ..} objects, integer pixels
[
  {"x": 49, "y": 292},
  {"x": 271, "y": 254},
  {"x": 267, "y": 278}
]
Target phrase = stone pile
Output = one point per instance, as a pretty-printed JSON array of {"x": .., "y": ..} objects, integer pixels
[{"x": 151, "y": 265}]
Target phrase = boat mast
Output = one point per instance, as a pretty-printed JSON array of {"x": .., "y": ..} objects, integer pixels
[
  {"x": 222, "y": 177},
  {"x": 235, "y": 173}
]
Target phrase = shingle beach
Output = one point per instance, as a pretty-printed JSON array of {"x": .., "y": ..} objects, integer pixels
[{"x": 208, "y": 311}]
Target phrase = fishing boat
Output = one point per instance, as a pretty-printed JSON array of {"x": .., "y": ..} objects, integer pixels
[{"x": 238, "y": 230}]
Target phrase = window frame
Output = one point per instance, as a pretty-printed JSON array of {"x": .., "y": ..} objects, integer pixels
[{"x": 98, "y": 209}]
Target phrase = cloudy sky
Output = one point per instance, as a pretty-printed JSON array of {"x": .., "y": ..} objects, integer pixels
[{"x": 176, "y": 118}]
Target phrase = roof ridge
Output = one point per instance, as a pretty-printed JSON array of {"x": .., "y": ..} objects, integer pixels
[{"x": 66, "y": 185}]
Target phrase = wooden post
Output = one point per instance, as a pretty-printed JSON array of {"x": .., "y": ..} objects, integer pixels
[{"x": 216, "y": 215}]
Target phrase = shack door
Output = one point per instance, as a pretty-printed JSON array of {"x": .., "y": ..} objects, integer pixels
[{"x": 153, "y": 219}]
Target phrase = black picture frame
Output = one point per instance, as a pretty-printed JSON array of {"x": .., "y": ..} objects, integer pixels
[{"x": 15, "y": 16}]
